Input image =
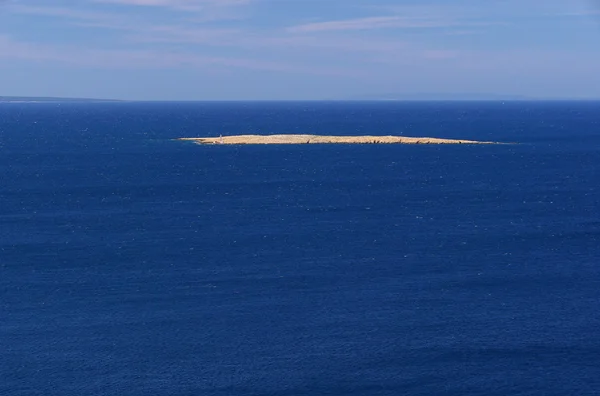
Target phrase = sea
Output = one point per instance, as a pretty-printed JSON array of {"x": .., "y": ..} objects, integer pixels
[{"x": 135, "y": 264}]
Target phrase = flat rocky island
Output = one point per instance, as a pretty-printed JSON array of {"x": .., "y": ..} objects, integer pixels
[{"x": 320, "y": 139}]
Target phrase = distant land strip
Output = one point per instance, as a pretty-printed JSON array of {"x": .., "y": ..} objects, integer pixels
[
  {"x": 34, "y": 99},
  {"x": 320, "y": 139}
]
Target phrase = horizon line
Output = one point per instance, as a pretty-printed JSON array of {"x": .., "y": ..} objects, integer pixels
[{"x": 55, "y": 99}]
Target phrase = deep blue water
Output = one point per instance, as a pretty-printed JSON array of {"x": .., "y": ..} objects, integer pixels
[{"x": 132, "y": 264}]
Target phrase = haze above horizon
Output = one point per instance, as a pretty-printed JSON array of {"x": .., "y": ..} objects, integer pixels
[{"x": 298, "y": 49}]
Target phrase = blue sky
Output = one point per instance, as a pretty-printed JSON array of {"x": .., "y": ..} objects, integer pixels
[{"x": 298, "y": 49}]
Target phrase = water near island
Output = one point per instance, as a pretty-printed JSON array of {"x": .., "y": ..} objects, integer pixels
[{"x": 133, "y": 264}]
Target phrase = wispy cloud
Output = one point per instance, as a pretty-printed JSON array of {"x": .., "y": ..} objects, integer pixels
[
  {"x": 283, "y": 44},
  {"x": 67, "y": 13},
  {"x": 580, "y": 13},
  {"x": 183, "y": 35},
  {"x": 11, "y": 49},
  {"x": 208, "y": 14},
  {"x": 410, "y": 42},
  {"x": 407, "y": 17},
  {"x": 184, "y": 5},
  {"x": 367, "y": 23},
  {"x": 137, "y": 28},
  {"x": 256, "y": 47},
  {"x": 470, "y": 12}
]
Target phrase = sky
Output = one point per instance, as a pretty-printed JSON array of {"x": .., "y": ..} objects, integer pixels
[{"x": 299, "y": 49}]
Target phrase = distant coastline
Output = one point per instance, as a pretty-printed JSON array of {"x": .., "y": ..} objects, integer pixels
[
  {"x": 439, "y": 96},
  {"x": 36, "y": 99}
]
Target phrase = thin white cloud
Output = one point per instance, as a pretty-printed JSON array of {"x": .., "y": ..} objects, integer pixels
[
  {"x": 492, "y": 11},
  {"x": 11, "y": 49},
  {"x": 138, "y": 31},
  {"x": 367, "y": 23},
  {"x": 184, "y": 5},
  {"x": 423, "y": 17},
  {"x": 305, "y": 48},
  {"x": 67, "y": 13}
]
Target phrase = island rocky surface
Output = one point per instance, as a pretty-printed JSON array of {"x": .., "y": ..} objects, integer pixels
[{"x": 320, "y": 139}]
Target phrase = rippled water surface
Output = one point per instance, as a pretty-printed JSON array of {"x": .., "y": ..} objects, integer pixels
[{"x": 132, "y": 264}]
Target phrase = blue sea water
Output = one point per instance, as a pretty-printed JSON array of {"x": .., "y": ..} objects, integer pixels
[{"x": 133, "y": 264}]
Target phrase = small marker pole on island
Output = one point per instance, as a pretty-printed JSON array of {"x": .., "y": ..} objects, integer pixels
[{"x": 221, "y": 139}]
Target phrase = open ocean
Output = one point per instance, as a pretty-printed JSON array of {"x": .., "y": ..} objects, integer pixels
[{"x": 132, "y": 264}]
